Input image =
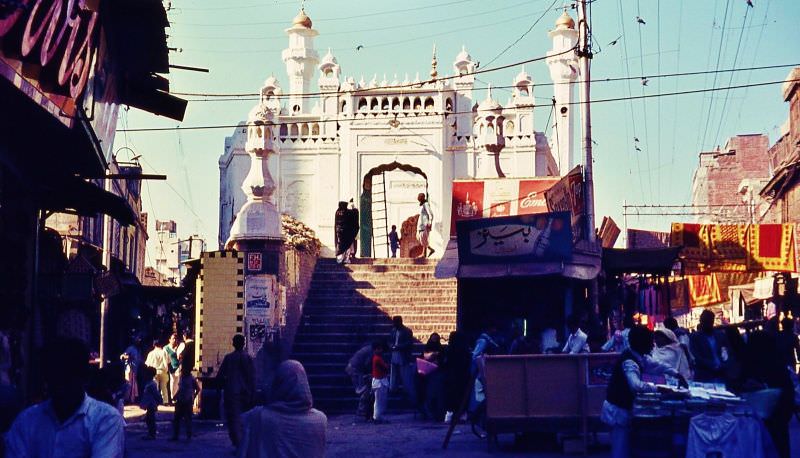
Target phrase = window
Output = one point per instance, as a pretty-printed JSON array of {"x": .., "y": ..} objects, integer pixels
[{"x": 429, "y": 104}]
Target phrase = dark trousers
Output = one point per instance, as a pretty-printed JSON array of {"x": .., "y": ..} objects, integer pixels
[
  {"x": 235, "y": 405},
  {"x": 183, "y": 411},
  {"x": 150, "y": 421}
]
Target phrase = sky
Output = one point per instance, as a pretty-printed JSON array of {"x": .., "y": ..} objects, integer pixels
[{"x": 240, "y": 42}]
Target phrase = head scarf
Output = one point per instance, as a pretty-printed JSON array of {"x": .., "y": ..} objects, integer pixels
[
  {"x": 668, "y": 334},
  {"x": 290, "y": 390}
]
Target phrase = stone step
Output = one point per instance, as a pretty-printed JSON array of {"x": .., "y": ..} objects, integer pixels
[
  {"x": 379, "y": 294},
  {"x": 371, "y": 318},
  {"x": 315, "y": 329},
  {"x": 373, "y": 303},
  {"x": 395, "y": 262},
  {"x": 391, "y": 269},
  {"x": 385, "y": 284},
  {"x": 370, "y": 276},
  {"x": 388, "y": 310}
]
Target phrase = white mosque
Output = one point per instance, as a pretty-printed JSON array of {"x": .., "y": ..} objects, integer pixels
[{"x": 381, "y": 142}]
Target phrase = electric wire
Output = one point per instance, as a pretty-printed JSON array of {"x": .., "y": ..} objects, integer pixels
[
  {"x": 626, "y": 64},
  {"x": 383, "y": 90},
  {"x": 719, "y": 57},
  {"x": 452, "y": 113},
  {"x": 524, "y": 34},
  {"x": 723, "y": 116}
]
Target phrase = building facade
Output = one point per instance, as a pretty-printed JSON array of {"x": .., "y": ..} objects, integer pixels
[
  {"x": 726, "y": 182},
  {"x": 382, "y": 141}
]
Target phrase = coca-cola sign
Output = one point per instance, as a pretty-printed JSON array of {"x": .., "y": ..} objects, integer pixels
[
  {"x": 494, "y": 198},
  {"x": 50, "y": 44}
]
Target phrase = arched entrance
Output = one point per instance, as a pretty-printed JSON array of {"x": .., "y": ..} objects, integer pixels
[{"x": 374, "y": 208}]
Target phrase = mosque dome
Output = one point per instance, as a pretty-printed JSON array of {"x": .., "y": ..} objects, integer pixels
[
  {"x": 302, "y": 20},
  {"x": 488, "y": 104},
  {"x": 565, "y": 21}
]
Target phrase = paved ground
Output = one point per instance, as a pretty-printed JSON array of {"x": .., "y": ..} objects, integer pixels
[{"x": 402, "y": 437}]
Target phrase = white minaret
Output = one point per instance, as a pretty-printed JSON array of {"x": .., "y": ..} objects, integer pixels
[
  {"x": 464, "y": 83},
  {"x": 301, "y": 60},
  {"x": 523, "y": 103},
  {"x": 564, "y": 72},
  {"x": 490, "y": 138}
]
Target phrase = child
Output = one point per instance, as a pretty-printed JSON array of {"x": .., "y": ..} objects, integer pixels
[
  {"x": 151, "y": 399},
  {"x": 380, "y": 382},
  {"x": 394, "y": 241},
  {"x": 184, "y": 398}
]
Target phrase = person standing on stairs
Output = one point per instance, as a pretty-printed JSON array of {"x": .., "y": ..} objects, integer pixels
[
  {"x": 352, "y": 228},
  {"x": 403, "y": 364},
  {"x": 424, "y": 225},
  {"x": 341, "y": 236},
  {"x": 394, "y": 241}
]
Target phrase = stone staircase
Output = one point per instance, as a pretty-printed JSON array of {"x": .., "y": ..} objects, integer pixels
[{"x": 353, "y": 304}]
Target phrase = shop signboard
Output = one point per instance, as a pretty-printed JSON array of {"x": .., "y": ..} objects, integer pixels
[
  {"x": 48, "y": 52},
  {"x": 498, "y": 197},
  {"x": 522, "y": 238},
  {"x": 567, "y": 196}
]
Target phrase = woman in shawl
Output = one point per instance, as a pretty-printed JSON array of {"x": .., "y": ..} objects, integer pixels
[
  {"x": 341, "y": 232},
  {"x": 288, "y": 426},
  {"x": 669, "y": 352}
]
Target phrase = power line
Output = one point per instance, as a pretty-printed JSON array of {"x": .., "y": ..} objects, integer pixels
[
  {"x": 240, "y": 50},
  {"x": 352, "y": 31},
  {"x": 647, "y": 152},
  {"x": 719, "y": 57},
  {"x": 624, "y": 57},
  {"x": 429, "y": 114},
  {"x": 382, "y": 90},
  {"x": 730, "y": 80},
  {"x": 514, "y": 43},
  {"x": 332, "y": 19}
]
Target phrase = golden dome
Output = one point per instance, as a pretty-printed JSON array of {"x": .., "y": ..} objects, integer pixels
[
  {"x": 302, "y": 20},
  {"x": 566, "y": 21}
]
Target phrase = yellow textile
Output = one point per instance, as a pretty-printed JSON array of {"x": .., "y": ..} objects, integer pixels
[
  {"x": 771, "y": 247},
  {"x": 703, "y": 290}
]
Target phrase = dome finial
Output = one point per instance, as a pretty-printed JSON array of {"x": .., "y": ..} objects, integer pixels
[
  {"x": 565, "y": 21},
  {"x": 434, "y": 62},
  {"x": 302, "y": 20}
]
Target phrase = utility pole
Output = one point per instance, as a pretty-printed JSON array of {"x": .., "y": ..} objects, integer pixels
[
  {"x": 585, "y": 56},
  {"x": 107, "y": 240},
  {"x": 584, "y": 53}
]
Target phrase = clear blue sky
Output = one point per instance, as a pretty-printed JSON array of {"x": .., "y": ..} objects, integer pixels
[{"x": 240, "y": 42}]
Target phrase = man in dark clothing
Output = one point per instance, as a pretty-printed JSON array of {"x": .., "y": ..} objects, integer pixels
[
  {"x": 710, "y": 350},
  {"x": 401, "y": 340},
  {"x": 359, "y": 368},
  {"x": 341, "y": 233},
  {"x": 237, "y": 376}
]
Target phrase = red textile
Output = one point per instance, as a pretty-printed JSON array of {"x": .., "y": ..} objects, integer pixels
[{"x": 379, "y": 367}]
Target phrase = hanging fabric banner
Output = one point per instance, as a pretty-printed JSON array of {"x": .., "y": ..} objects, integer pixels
[
  {"x": 772, "y": 248},
  {"x": 728, "y": 247},
  {"x": 703, "y": 290},
  {"x": 694, "y": 239}
]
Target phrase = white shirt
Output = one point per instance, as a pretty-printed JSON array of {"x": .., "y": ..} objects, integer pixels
[
  {"x": 95, "y": 430},
  {"x": 157, "y": 359},
  {"x": 576, "y": 343},
  {"x": 425, "y": 217}
]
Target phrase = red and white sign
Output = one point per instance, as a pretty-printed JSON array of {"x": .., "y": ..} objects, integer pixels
[
  {"x": 48, "y": 49},
  {"x": 492, "y": 198}
]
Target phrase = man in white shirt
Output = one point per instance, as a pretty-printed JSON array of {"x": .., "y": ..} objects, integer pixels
[
  {"x": 157, "y": 359},
  {"x": 424, "y": 225},
  {"x": 577, "y": 340},
  {"x": 70, "y": 423}
]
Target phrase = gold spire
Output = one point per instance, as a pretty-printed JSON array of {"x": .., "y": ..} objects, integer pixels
[
  {"x": 565, "y": 21},
  {"x": 302, "y": 20},
  {"x": 434, "y": 62}
]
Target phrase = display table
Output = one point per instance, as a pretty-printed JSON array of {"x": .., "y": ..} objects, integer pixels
[{"x": 660, "y": 423}]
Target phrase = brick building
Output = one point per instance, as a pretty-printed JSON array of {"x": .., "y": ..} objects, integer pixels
[
  {"x": 781, "y": 195},
  {"x": 726, "y": 180}
]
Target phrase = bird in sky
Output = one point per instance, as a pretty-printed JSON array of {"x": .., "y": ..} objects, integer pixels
[
  {"x": 645, "y": 81},
  {"x": 636, "y": 139},
  {"x": 750, "y": 3},
  {"x": 359, "y": 47},
  {"x": 640, "y": 20},
  {"x": 615, "y": 41},
  {"x": 637, "y": 148}
]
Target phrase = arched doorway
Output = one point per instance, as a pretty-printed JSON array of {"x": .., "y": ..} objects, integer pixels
[{"x": 374, "y": 211}]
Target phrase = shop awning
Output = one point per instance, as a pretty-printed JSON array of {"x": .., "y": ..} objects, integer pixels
[
  {"x": 583, "y": 266},
  {"x": 84, "y": 198},
  {"x": 639, "y": 260}
]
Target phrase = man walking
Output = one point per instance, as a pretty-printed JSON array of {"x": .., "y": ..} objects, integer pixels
[
  {"x": 238, "y": 385},
  {"x": 424, "y": 225},
  {"x": 359, "y": 367},
  {"x": 709, "y": 348},
  {"x": 157, "y": 359},
  {"x": 402, "y": 363}
]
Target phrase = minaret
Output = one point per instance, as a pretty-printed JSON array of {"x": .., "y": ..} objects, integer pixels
[
  {"x": 564, "y": 72},
  {"x": 523, "y": 103},
  {"x": 464, "y": 82},
  {"x": 301, "y": 60},
  {"x": 490, "y": 137},
  {"x": 329, "y": 86}
]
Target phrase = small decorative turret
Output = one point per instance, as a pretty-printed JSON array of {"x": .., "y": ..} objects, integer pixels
[{"x": 434, "y": 63}]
